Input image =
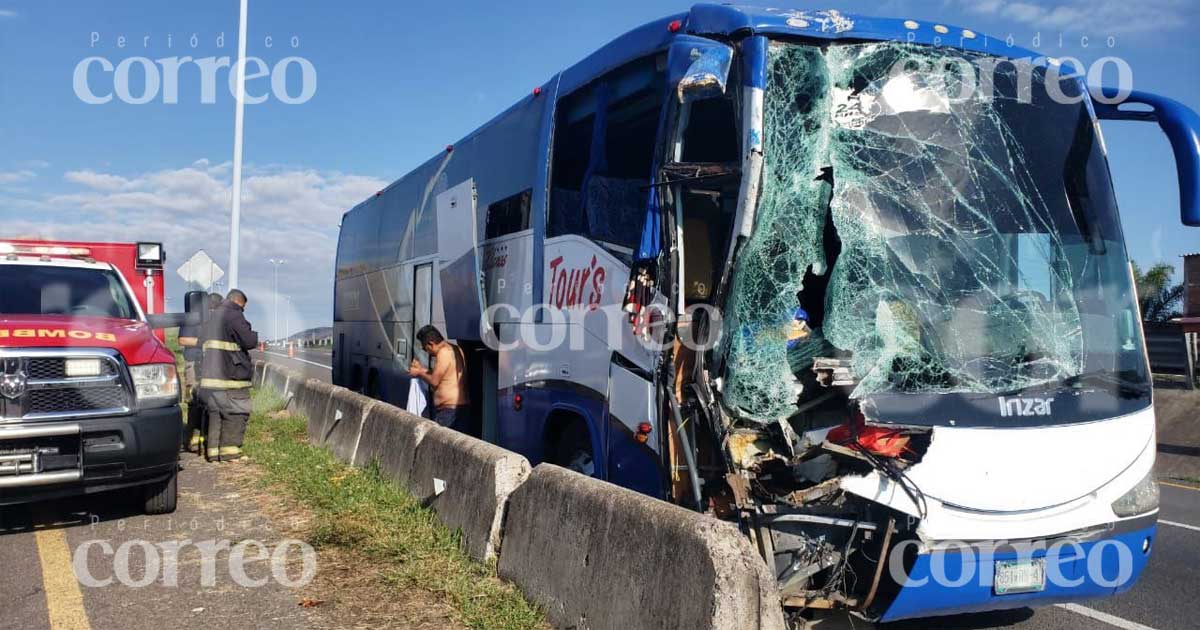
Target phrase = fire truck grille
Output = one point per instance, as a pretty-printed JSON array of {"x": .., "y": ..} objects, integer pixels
[
  {"x": 53, "y": 369},
  {"x": 37, "y": 386},
  {"x": 67, "y": 400}
]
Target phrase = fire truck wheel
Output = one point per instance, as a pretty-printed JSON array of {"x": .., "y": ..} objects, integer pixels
[{"x": 161, "y": 496}]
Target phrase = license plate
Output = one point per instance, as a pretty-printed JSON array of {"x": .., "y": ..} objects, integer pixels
[{"x": 1020, "y": 576}]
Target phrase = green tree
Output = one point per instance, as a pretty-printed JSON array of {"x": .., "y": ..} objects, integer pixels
[{"x": 1158, "y": 298}]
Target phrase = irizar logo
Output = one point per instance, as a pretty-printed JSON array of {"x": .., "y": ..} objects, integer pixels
[{"x": 1025, "y": 406}]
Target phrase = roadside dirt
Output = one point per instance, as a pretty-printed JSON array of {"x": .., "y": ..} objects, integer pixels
[{"x": 350, "y": 590}]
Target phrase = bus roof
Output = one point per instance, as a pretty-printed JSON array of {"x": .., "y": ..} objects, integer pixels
[
  {"x": 725, "y": 22},
  {"x": 722, "y": 21}
]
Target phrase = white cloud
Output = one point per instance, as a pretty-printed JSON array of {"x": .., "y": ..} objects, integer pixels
[
  {"x": 7, "y": 13},
  {"x": 97, "y": 181},
  {"x": 286, "y": 213},
  {"x": 16, "y": 177},
  {"x": 1101, "y": 17}
]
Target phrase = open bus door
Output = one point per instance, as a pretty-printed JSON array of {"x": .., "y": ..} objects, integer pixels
[{"x": 462, "y": 293}]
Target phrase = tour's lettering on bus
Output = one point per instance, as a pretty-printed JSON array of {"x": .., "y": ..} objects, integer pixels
[{"x": 576, "y": 287}]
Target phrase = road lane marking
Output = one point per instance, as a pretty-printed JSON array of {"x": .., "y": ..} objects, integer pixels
[
  {"x": 64, "y": 601},
  {"x": 1179, "y": 485},
  {"x": 277, "y": 354},
  {"x": 1183, "y": 525},
  {"x": 1102, "y": 617}
]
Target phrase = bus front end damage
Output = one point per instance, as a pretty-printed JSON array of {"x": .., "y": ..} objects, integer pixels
[
  {"x": 827, "y": 546},
  {"x": 925, "y": 262}
]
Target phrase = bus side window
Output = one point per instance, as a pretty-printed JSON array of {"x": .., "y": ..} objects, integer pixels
[
  {"x": 709, "y": 136},
  {"x": 605, "y": 138},
  {"x": 508, "y": 215},
  {"x": 711, "y": 133}
]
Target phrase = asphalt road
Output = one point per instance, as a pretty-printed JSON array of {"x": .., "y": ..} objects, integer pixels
[
  {"x": 127, "y": 583},
  {"x": 310, "y": 363},
  {"x": 39, "y": 544}
]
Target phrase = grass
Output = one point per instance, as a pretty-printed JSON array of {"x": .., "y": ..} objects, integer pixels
[{"x": 361, "y": 511}]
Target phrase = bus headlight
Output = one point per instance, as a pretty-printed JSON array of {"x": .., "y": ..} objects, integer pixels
[
  {"x": 157, "y": 383},
  {"x": 1141, "y": 499}
]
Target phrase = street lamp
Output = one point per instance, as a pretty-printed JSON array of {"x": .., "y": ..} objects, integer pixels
[
  {"x": 235, "y": 219},
  {"x": 275, "y": 322}
]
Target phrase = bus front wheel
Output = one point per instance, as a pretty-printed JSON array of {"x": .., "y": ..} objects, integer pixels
[{"x": 573, "y": 449}]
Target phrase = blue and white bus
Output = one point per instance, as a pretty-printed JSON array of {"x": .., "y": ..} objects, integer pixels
[{"x": 856, "y": 284}]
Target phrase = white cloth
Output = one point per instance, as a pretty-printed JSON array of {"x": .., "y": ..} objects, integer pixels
[{"x": 417, "y": 398}]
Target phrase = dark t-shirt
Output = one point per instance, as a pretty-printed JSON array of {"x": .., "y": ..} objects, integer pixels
[{"x": 193, "y": 353}]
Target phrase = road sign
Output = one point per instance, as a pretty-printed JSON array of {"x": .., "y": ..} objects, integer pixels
[{"x": 200, "y": 270}]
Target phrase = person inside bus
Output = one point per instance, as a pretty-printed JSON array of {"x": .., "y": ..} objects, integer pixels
[{"x": 448, "y": 378}]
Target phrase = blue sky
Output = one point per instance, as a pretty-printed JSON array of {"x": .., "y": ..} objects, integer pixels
[{"x": 396, "y": 82}]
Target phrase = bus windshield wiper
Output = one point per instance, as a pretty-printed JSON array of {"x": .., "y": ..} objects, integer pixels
[
  {"x": 686, "y": 172},
  {"x": 1106, "y": 377}
]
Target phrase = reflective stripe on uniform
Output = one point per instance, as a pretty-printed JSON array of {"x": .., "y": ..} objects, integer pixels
[
  {"x": 217, "y": 383},
  {"x": 230, "y": 450},
  {"x": 216, "y": 344},
  {"x": 213, "y": 452}
]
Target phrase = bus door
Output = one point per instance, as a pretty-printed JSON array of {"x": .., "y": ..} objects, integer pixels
[
  {"x": 458, "y": 243},
  {"x": 422, "y": 307}
]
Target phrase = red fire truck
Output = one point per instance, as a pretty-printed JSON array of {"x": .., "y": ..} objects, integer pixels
[{"x": 89, "y": 394}]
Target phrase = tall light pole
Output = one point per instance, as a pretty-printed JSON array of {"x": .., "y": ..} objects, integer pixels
[
  {"x": 275, "y": 323},
  {"x": 235, "y": 218},
  {"x": 287, "y": 319}
]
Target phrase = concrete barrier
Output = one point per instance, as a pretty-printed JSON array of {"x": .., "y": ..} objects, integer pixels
[
  {"x": 467, "y": 481},
  {"x": 390, "y": 435},
  {"x": 275, "y": 378},
  {"x": 264, "y": 379},
  {"x": 598, "y": 556},
  {"x": 312, "y": 401},
  {"x": 343, "y": 422},
  {"x": 1178, "y": 414},
  {"x": 259, "y": 367},
  {"x": 592, "y": 554}
]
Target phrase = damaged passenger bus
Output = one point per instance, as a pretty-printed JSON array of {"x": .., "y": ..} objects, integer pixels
[{"x": 858, "y": 285}]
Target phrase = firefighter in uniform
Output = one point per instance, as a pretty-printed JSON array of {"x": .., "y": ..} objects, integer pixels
[
  {"x": 189, "y": 338},
  {"x": 225, "y": 374}
]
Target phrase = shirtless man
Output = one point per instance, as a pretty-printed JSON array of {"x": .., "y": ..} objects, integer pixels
[{"x": 448, "y": 378}]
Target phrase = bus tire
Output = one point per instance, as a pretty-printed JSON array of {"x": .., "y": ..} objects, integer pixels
[
  {"x": 572, "y": 449},
  {"x": 161, "y": 497}
]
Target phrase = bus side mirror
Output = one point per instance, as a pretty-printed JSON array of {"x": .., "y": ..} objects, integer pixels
[
  {"x": 1182, "y": 128},
  {"x": 159, "y": 321},
  {"x": 196, "y": 303},
  {"x": 699, "y": 68}
]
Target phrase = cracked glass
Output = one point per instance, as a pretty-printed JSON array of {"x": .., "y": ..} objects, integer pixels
[{"x": 976, "y": 250}]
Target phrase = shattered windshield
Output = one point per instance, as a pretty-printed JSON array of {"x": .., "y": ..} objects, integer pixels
[{"x": 941, "y": 221}]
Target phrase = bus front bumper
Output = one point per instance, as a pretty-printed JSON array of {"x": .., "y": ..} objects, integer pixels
[{"x": 961, "y": 579}]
